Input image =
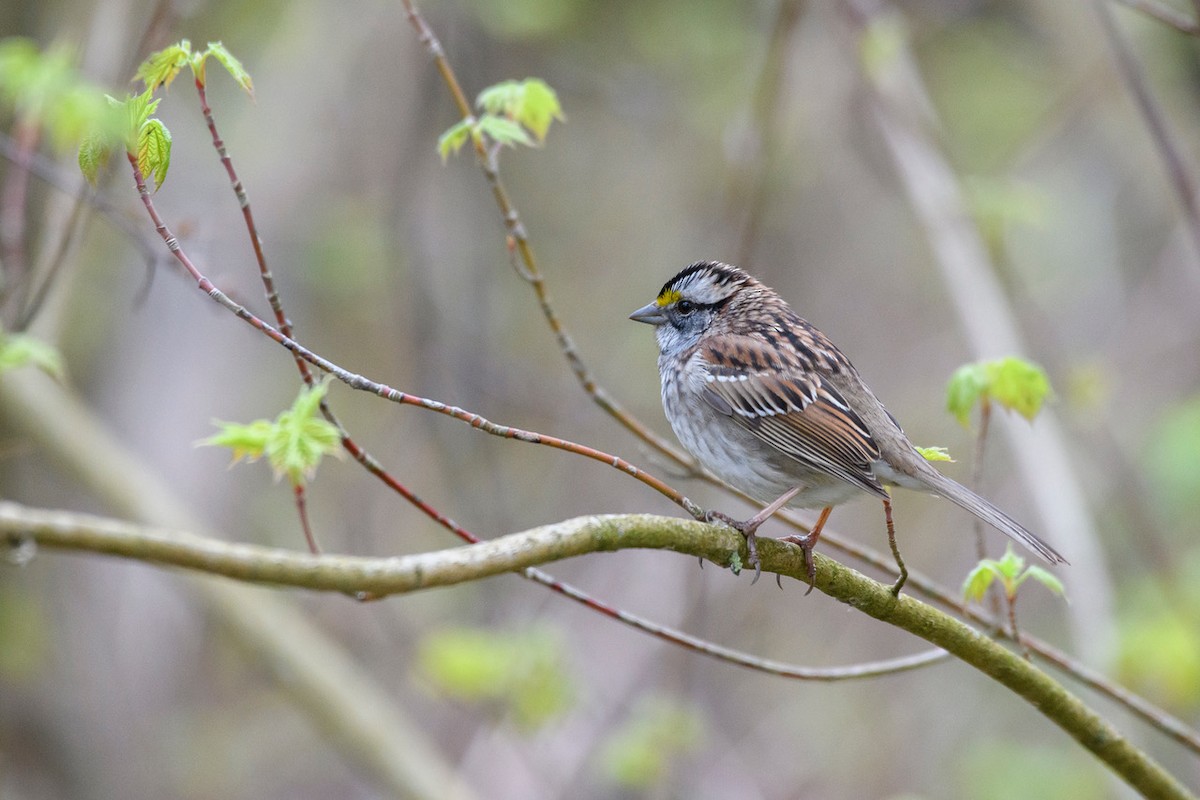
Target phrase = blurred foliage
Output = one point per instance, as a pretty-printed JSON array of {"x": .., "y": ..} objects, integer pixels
[
  {"x": 993, "y": 770},
  {"x": 1010, "y": 382},
  {"x": 18, "y": 350},
  {"x": 24, "y": 635},
  {"x": 1005, "y": 101},
  {"x": 999, "y": 204},
  {"x": 658, "y": 731},
  {"x": 1172, "y": 462},
  {"x": 45, "y": 89},
  {"x": 1159, "y": 635},
  {"x": 518, "y": 673},
  {"x": 529, "y": 19}
]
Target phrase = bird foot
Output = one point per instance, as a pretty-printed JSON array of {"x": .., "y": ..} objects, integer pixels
[
  {"x": 806, "y": 545},
  {"x": 748, "y": 529}
]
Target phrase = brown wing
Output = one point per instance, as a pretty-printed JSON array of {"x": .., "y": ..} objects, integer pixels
[{"x": 791, "y": 407}]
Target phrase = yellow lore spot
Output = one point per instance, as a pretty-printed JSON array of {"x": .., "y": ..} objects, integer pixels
[{"x": 666, "y": 297}]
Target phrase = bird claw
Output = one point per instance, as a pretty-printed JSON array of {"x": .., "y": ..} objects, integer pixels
[
  {"x": 806, "y": 544},
  {"x": 748, "y": 531}
]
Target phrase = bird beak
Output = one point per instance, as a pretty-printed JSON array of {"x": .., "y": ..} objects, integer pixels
[{"x": 650, "y": 314}]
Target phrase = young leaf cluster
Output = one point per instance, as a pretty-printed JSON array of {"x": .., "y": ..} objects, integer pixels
[
  {"x": 161, "y": 68},
  {"x": 935, "y": 454},
  {"x": 1011, "y": 572},
  {"x": 1010, "y": 382},
  {"x": 142, "y": 134},
  {"x": 512, "y": 112},
  {"x": 294, "y": 443}
]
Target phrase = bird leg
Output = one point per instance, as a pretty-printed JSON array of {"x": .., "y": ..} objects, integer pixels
[
  {"x": 807, "y": 543},
  {"x": 891, "y": 529},
  {"x": 750, "y": 526}
]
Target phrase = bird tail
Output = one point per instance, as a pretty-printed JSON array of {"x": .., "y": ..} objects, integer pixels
[{"x": 966, "y": 499}]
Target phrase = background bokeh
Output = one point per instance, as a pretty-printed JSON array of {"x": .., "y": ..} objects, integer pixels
[{"x": 684, "y": 140}]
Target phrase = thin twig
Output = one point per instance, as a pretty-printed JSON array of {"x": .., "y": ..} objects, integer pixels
[
  {"x": 361, "y": 383},
  {"x": 372, "y": 465},
  {"x": 533, "y": 276},
  {"x": 518, "y": 244},
  {"x": 375, "y": 468},
  {"x": 14, "y": 195},
  {"x": 1178, "y": 171}
]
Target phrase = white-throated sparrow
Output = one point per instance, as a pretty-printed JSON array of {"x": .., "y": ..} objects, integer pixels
[{"x": 767, "y": 403}]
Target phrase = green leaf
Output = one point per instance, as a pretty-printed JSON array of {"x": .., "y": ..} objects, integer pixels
[
  {"x": 500, "y": 99},
  {"x": 246, "y": 441},
  {"x": 966, "y": 386},
  {"x": 935, "y": 454},
  {"x": 154, "y": 151},
  {"x": 1011, "y": 382},
  {"x": 136, "y": 109},
  {"x": 1018, "y": 385},
  {"x": 294, "y": 443},
  {"x": 503, "y": 131},
  {"x": 19, "y": 350},
  {"x": 1011, "y": 564},
  {"x": 979, "y": 580},
  {"x": 539, "y": 108},
  {"x": 455, "y": 137},
  {"x": 530, "y": 103},
  {"x": 1047, "y": 579},
  {"x": 161, "y": 68},
  {"x": 231, "y": 64},
  {"x": 300, "y": 439},
  {"x": 94, "y": 151}
]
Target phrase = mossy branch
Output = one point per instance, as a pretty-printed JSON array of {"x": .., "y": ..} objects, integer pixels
[{"x": 383, "y": 576}]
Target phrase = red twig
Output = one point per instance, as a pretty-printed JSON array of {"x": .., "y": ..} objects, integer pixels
[{"x": 302, "y": 511}]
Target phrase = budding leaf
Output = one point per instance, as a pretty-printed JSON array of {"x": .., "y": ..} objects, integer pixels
[
  {"x": 966, "y": 386},
  {"x": 246, "y": 441},
  {"x": 154, "y": 151},
  {"x": 163, "y": 66},
  {"x": 530, "y": 103},
  {"x": 1018, "y": 385},
  {"x": 539, "y": 108},
  {"x": 504, "y": 131},
  {"x": 979, "y": 581},
  {"x": 501, "y": 99},
  {"x": 935, "y": 454},
  {"x": 1046, "y": 579},
  {"x": 301, "y": 439},
  {"x": 294, "y": 443},
  {"x": 94, "y": 151},
  {"x": 454, "y": 138},
  {"x": 231, "y": 65},
  {"x": 1012, "y": 383}
]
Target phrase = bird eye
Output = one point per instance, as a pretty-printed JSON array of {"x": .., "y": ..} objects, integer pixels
[{"x": 685, "y": 307}]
